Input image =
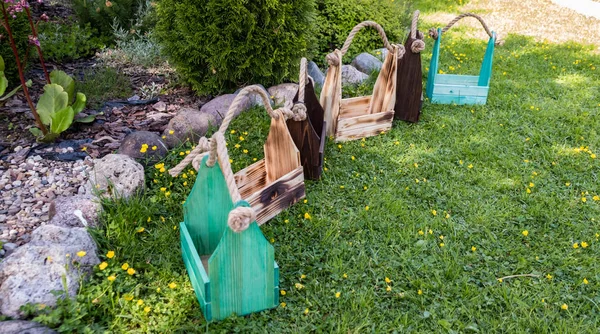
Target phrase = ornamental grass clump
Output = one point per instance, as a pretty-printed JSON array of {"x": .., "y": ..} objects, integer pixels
[{"x": 220, "y": 45}]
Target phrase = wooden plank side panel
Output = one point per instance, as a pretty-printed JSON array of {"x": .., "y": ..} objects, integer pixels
[
  {"x": 384, "y": 92},
  {"x": 331, "y": 94},
  {"x": 369, "y": 120},
  {"x": 455, "y": 79},
  {"x": 460, "y": 90},
  {"x": 356, "y": 106},
  {"x": 433, "y": 65},
  {"x": 460, "y": 100},
  {"x": 278, "y": 196},
  {"x": 196, "y": 271},
  {"x": 251, "y": 179},
  {"x": 357, "y": 132},
  {"x": 308, "y": 143},
  {"x": 281, "y": 154},
  {"x": 242, "y": 273},
  {"x": 207, "y": 207}
]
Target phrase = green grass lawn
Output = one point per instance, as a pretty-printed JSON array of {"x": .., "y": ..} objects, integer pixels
[{"x": 409, "y": 231}]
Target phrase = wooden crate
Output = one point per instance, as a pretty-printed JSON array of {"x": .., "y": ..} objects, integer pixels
[
  {"x": 230, "y": 272},
  {"x": 359, "y": 117},
  {"x": 309, "y": 135},
  {"x": 459, "y": 89}
]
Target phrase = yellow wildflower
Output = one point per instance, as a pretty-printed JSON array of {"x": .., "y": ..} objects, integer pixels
[
  {"x": 421, "y": 232},
  {"x": 140, "y": 230},
  {"x": 140, "y": 302},
  {"x": 584, "y": 244},
  {"x": 154, "y": 148},
  {"x": 564, "y": 307},
  {"x": 387, "y": 280},
  {"x": 367, "y": 208},
  {"x": 525, "y": 233},
  {"x": 131, "y": 271},
  {"x": 103, "y": 265},
  {"x": 338, "y": 294},
  {"x": 283, "y": 305},
  {"x": 388, "y": 288},
  {"x": 171, "y": 132},
  {"x": 81, "y": 253},
  {"x": 307, "y": 216},
  {"x": 125, "y": 266},
  {"x": 299, "y": 286},
  {"x": 584, "y": 199},
  {"x": 147, "y": 309},
  {"x": 433, "y": 212},
  {"x": 110, "y": 254},
  {"x": 282, "y": 292},
  {"x": 172, "y": 285},
  {"x": 442, "y": 244},
  {"x": 144, "y": 148},
  {"x": 306, "y": 311},
  {"x": 345, "y": 275},
  {"x": 302, "y": 276},
  {"x": 585, "y": 281},
  {"x": 473, "y": 248},
  {"x": 128, "y": 297},
  {"x": 548, "y": 276},
  {"x": 470, "y": 166},
  {"x": 241, "y": 138},
  {"x": 420, "y": 292}
]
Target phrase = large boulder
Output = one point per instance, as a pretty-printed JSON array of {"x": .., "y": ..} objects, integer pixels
[
  {"x": 283, "y": 94},
  {"x": 352, "y": 76},
  {"x": 75, "y": 211},
  {"x": 34, "y": 270},
  {"x": 144, "y": 145},
  {"x": 315, "y": 72},
  {"x": 116, "y": 175},
  {"x": 23, "y": 327},
  {"x": 367, "y": 63},
  {"x": 219, "y": 106},
  {"x": 188, "y": 125}
]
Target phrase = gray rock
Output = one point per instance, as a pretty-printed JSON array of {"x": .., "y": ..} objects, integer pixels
[
  {"x": 134, "y": 98},
  {"x": 352, "y": 76},
  {"x": 160, "y": 106},
  {"x": 34, "y": 270},
  {"x": 116, "y": 175},
  {"x": 9, "y": 247},
  {"x": 283, "y": 94},
  {"x": 381, "y": 53},
  {"x": 219, "y": 106},
  {"x": 189, "y": 124},
  {"x": 23, "y": 327},
  {"x": 69, "y": 211},
  {"x": 256, "y": 100},
  {"x": 132, "y": 146},
  {"x": 367, "y": 63},
  {"x": 315, "y": 72}
]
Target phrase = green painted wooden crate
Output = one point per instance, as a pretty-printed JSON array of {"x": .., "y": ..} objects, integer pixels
[
  {"x": 459, "y": 89},
  {"x": 230, "y": 272}
]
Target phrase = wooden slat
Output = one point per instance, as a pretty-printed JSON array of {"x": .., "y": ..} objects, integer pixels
[
  {"x": 331, "y": 95},
  {"x": 460, "y": 100},
  {"x": 356, "y": 106},
  {"x": 242, "y": 273},
  {"x": 384, "y": 92},
  {"x": 460, "y": 90},
  {"x": 409, "y": 84},
  {"x": 198, "y": 276},
  {"x": 362, "y": 131},
  {"x": 281, "y": 154},
  {"x": 455, "y": 79},
  {"x": 364, "y": 121},
  {"x": 432, "y": 76},
  {"x": 278, "y": 196},
  {"x": 251, "y": 179}
]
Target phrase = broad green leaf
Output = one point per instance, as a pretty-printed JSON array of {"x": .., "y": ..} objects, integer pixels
[
  {"x": 37, "y": 133},
  {"x": 61, "y": 120},
  {"x": 3, "y": 83},
  {"x": 65, "y": 81},
  {"x": 86, "y": 119},
  {"x": 1, "y": 64},
  {"x": 11, "y": 93},
  {"x": 49, "y": 137},
  {"x": 79, "y": 104},
  {"x": 53, "y": 100}
]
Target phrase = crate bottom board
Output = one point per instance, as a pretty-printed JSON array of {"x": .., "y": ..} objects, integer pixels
[{"x": 459, "y": 100}]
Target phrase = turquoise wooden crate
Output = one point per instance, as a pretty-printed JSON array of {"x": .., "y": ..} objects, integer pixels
[
  {"x": 231, "y": 272},
  {"x": 460, "y": 89}
]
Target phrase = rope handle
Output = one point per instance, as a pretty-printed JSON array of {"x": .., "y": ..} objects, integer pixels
[
  {"x": 418, "y": 44},
  {"x": 299, "y": 107},
  {"x": 332, "y": 59},
  {"x": 434, "y": 34}
]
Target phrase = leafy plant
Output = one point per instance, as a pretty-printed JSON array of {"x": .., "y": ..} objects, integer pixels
[
  {"x": 68, "y": 41},
  {"x": 219, "y": 45},
  {"x": 4, "y": 84},
  {"x": 104, "y": 84},
  {"x": 336, "y": 18},
  {"x": 20, "y": 30},
  {"x": 58, "y": 105}
]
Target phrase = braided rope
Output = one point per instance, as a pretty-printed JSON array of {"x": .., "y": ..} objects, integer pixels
[
  {"x": 332, "y": 59},
  {"x": 434, "y": 34},
  {"x": 299, "y": 108},
  {"x": 418, "y": 44},
  {"x": 203, "y": 146},
  {"x": 238, "y": 101}
]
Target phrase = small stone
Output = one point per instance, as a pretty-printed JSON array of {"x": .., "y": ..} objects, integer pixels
[
  {"x": 18, "y": 148},
  {"x": 351, "y": 75},
  {"x": 188, "y": 124},
  {"x": 283, "y": 94},
  {"x": 160, "y": 106},
  {"x": 150, "y": 143},
  {"x": 367, "y": 63},
  {"x": 8, "y": 187},
  {"x": 62, "y": 211},
  {"x": 9, "y": 247},
  {"x": 17, "y": 183},
  {"x": 315, "y": 72},
  {"x": 134, "y": 98},
  {"x": 2, "y": 218}
]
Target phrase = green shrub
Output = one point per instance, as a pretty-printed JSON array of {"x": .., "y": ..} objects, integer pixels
[
  {"x": 104, "y": 84},
  {"x": 67, "y": 41},
  {"x": 105, "y": 15},
  {"x": 218, "y": 45},
  {"x": 337, "y": 17},
  {"x": 20, "y": 30}
]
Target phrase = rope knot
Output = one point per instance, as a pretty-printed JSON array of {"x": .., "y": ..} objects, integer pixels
[
  {"x": 401, "y": 50},
  {"x": 433, "y": 33},
  {"x": 299, "y": 110},
  {"x": 240, "y": 218},
  {"x": 417, "y": 46},
  {"x": 332, "y": 59}
]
